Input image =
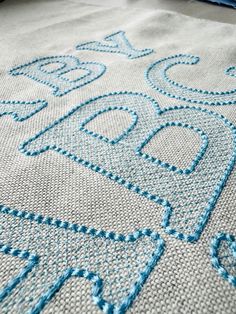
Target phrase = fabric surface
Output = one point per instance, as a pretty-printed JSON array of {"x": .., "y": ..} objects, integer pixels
[{"x": 118, "y": 149}]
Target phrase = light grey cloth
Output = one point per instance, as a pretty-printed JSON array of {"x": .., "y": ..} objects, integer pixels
[{"x": 184, "y": 280}]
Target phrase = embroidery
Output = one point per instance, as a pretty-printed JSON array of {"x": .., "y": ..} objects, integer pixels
[
  {"x": 194, "y": 163},
  {"x": 103, "y": 138},
  {"x": 32, "y": 261},
  {"x": 188, "y": 199},
  {"x": 21, "y": 110},
  {"x": 156, "y": 75},
  {"x": 54, "y": 78},
  {"x": 117, "y": 265},
  {"x": 223, "y": 256},
  {"x": 115, "y": 43}
]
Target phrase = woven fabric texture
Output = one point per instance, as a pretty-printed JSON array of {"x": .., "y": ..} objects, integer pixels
[{"x": 117, "y": 168}]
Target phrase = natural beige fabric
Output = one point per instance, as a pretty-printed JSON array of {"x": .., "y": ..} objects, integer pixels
[{"x": 184, "y": 280}]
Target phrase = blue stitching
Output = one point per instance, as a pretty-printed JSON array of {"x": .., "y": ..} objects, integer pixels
[
  {"x": 214, "y": 253},
  {"x": 15, "y": 114},
  {"x": 192, "y": 60},
  {"x": 168, "y": 166},
  {"x": 104, "y": 138},
  {"x": 168, "y": 209},
  {"x": 97, "y": 281},
  {"x": 56, "y": 89},
  {"x": 115, "y": 47},
  {"x": 33, "y": 260},
  {"x": 63, "y": 65}
]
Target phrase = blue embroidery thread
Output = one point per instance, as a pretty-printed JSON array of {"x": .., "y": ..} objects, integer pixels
[
  {"x": 157, "y": 78},
  {"x": 21, "y": 110},
  {"x": 55, "y": 79},
  {"x": 115, "y": 43},
  {"x": 226, "y": 263},
  {"x": 104, "y": 138},
  {"x": 115, "y": 247},
  {"x": 186, "y": 224},
  {"x": 25, "y": 255},
  {"x": 167, "y": 165}
]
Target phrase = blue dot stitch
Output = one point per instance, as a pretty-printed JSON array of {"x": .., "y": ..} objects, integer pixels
[
  {"x": 115, "y": 43},
  {"x": 104, "y": 138},
  {"x": 116, "y": 265},
  {"x": 157, "y": 78},
  {"x": 21, "y": 110},
  {"x": 223, "y": 256},
  {"x": 198, "y": 157},
  {"x": 55, "y": 79},
  {"x": 120, "y": 162}
]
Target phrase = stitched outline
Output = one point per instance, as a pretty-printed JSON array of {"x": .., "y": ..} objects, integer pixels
[
  {"x": 54, "y": 87},
  {"x": 215, "y": 244},
  {"x": 104, "y": 138},
  {"x": 98, "y": 283},
  {"x": 135, "y": 188},
  {"x": 145, "y": 51},
  {"x": 60, "y": 75},
  {"x": 231, "y": 71},
  {"x": 63, "y": 65},
  {"x": 165, "y": 77},
  {"x": 166, "y": 165},
  {"x": 33, "y": 260},
  {"x": 15, "y": 115}
]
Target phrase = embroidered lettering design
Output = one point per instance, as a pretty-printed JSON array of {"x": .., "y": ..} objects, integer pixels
[
  {"x": 223, "y": 256},
  {"x": 188, "y": 198},
  {"x": 115, "y": 43},
  {"x": 117, "y": 265},
  {"x": 158, "y": 78},
  {"x": 21, "y": 110},
  {"x": 54, "y": 77}
]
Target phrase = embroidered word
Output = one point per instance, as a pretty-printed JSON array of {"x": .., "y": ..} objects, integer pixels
[
  {"x": 117, "y": 265},
  {"x": 157, "y": 77},
  {"x": 25, "y": 255},
  {"x": 54, "y": 77},
  {"x": 223, "y": 256},
  {"x": 21, "y": 110},
  {"x": 115, "y": 43},
  {"x": 188, "y": 198}
]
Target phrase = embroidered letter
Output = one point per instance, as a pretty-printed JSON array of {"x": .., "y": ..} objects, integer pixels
[
  {"x": 116, "y": 265},
  {"x": 115, "y": 43},
  {"x": 188, "y": 195},
  {"x": 21, "y": 110},
  {"x": 157, "y": 77},
  {"x": 52, "y": 71}
]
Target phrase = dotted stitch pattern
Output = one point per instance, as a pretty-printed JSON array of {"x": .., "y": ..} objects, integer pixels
[
  {"x": 167, "y": 165},
  {"x": 104, "y": 138},
  {"x": 217, "y": 262},
  {"x": 94, "y": 278},
  {"x": 25, "y": 255},
  {"x": 56, "y": 89},
  {"x": 17, "y": 111},
  {"x": 98, "y": 46},
  {"x": 135, "y": 188},
  {"x": 159, "y": 69}
]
